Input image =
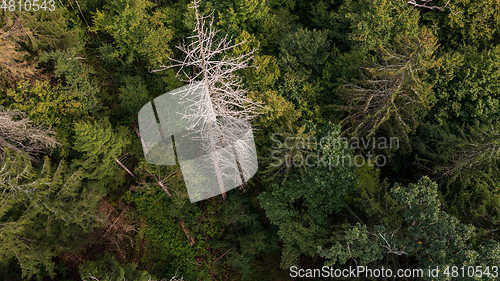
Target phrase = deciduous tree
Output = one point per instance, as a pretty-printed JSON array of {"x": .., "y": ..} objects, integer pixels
[{"x": 302, "y": 204}]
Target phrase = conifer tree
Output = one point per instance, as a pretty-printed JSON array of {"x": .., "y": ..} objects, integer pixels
[
  {"x": 301, "y": 206},
  {"x": 42, "y": 214},
  {"x": 424, "y": 232},
  {"x": 102, "y": 147}
]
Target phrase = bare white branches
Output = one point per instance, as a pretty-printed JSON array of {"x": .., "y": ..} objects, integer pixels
[
  {"x": 391, "y": 249},
  {"x": 206, "y": 60},
  {"x": 215, "y": 105},
  {"x": 426, "y": 5}
]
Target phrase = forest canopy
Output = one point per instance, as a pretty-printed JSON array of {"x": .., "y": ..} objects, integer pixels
[{"x": 376, "y": 126}]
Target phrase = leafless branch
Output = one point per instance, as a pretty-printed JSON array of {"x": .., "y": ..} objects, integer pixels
[
  {"x": 425, "y": 4},
  {"x": 215, "y": 114}
]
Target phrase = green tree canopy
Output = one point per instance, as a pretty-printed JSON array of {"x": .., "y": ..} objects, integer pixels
[
  {"x": 138, "y": 32},
  {"x": 302, "y": 204},
  {"x": 43, "y": 213}
]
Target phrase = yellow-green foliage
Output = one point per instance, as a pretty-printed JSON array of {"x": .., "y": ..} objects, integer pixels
[
  {"x": 472, "y": 22},
  {"x": 137, "y": 31},
  {"x": 45, "y": 104}
]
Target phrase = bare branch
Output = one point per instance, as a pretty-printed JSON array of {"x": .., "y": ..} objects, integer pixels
[
  {"x": 425, "y": 4},
  {"x": 216, "y": 105}
]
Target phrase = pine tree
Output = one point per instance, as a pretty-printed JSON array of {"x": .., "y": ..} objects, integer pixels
[
  {"x": 392, "y": 55},
  {"x": 137, "y": 32}
]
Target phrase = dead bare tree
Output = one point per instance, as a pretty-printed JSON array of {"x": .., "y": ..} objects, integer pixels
[
  {"x": 426, "y": 5},
  {"x": 389, "y": 94},
  {"x": 20, "y": 134},
  {"x": 218, "y": 113}
]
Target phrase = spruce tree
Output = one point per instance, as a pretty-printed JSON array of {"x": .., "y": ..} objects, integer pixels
[{"x": 42, "y": 213}]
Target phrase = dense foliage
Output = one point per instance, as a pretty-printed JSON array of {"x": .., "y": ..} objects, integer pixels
[{"x": 378, "y": 143}]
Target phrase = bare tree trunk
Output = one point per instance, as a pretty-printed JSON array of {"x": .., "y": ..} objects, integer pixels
[
  {"x": 210, "y": 130},
  {"x": 221, "y": 103},
  {"x": 216, "y": 160},
  {"x": 125, "y": 168}
]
